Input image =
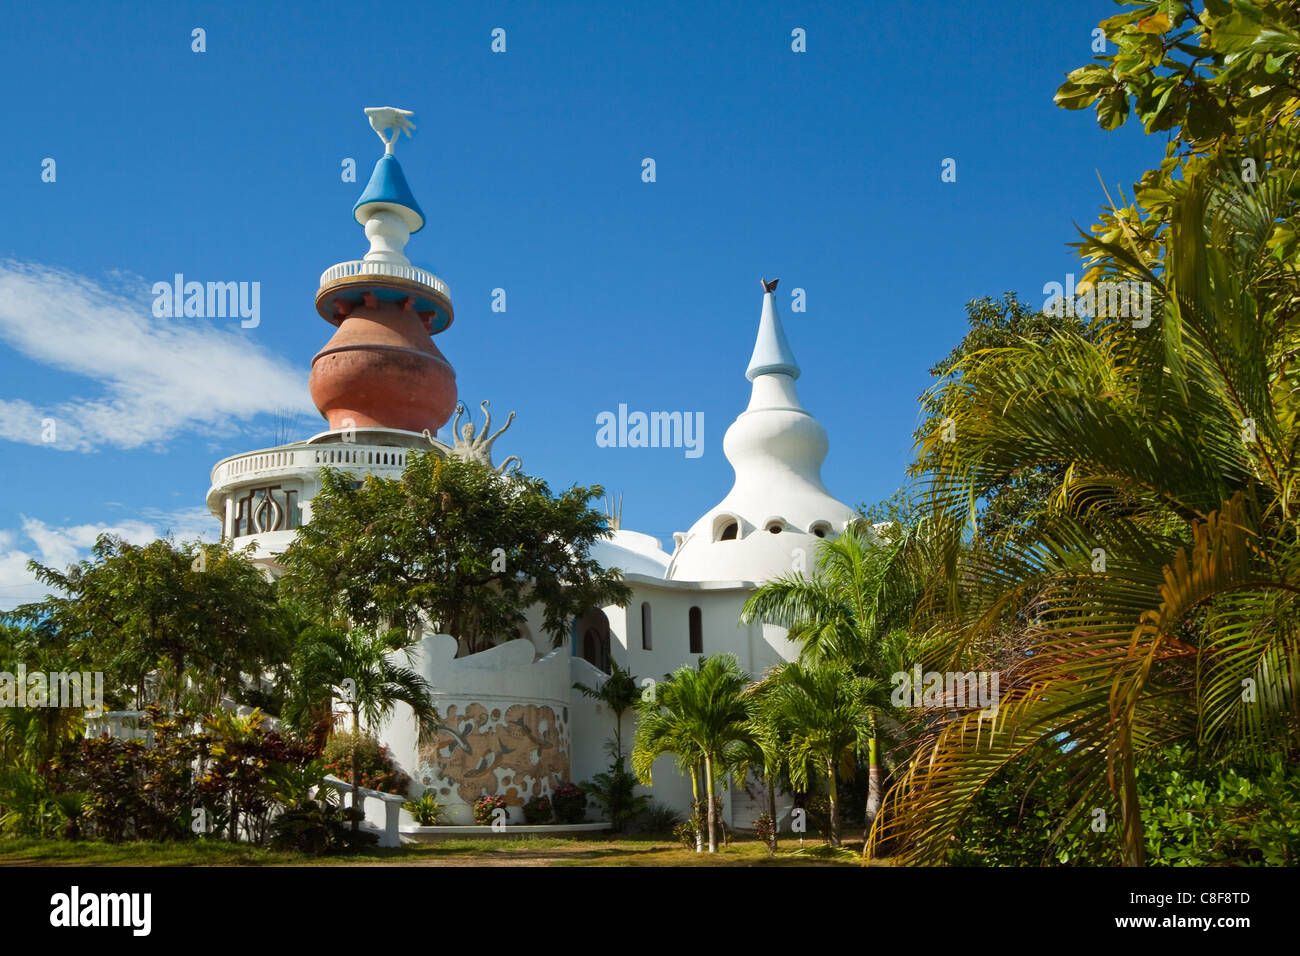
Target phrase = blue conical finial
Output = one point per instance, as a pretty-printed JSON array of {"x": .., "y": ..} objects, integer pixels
[
  {"x": 388, "y": 187},
  {"x": 772, "y": 353}
]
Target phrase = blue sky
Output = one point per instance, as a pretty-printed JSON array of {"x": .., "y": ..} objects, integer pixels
[{"x": 821, "y": 168}]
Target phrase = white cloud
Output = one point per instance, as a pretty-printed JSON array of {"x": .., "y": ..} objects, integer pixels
[
  {"x": 61, "y": 546},
  {"x": 149, "y": 378}
]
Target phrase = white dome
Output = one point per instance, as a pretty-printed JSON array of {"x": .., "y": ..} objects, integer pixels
[
  {"x": 631, "y": 552},
  {"x": 778, "y": 509}
]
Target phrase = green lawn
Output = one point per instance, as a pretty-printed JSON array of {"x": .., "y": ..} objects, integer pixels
[{"x": 597, "y": 850}]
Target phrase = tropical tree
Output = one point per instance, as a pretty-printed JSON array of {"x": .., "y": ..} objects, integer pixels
[
  {"x": 1161, "y": 590},
  {"x": 763, "y": 750},
  {"x": 357, "y": 668},
  {"x": 823, "y": 716},
  {"x": 995, "y": 323},
  {"x": 619, "y": 692},
  {"x": 454, "y": 544},
  {"x": 614, "y": 789},
  {"x": 698, "y": 713},
  {"x": 197, "y": 615},
  {"x": 855, "y": 610},
  {"x": 661, "y": 731}
]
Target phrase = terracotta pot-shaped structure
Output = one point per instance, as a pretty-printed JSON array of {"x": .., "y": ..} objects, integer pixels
[{"x": 381, "y": 369}]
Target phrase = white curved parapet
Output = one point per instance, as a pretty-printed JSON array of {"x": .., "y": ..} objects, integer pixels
[{"x": 258, "y": 463}]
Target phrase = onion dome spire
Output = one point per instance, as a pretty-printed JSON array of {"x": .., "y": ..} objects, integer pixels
[{"x": 778, "y": 502}]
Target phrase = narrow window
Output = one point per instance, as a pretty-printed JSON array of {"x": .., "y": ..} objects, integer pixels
[
  {"x": 729, "y": 532},
  {"x": 697, "y": 631},
  {"x": 645, "y": 625}
]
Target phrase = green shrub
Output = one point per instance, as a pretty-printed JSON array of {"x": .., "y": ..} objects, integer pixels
[
  {"x": 570, "y": 803},
  {"x": 426, "y": 811},
  {"x": 687, "y": 832},
  {"x": 486, "y": 807},
  {"x": 615, "y": 792},
  {"x": 1194, "y": 813},
  {"x": 376, "y": 770},
  {"x": 317, "y": 827},
  {"x": 657, "y": 818},
  {"x": 537, "y": 810}
]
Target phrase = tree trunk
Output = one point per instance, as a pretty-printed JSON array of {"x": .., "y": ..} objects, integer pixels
[
  {"x": 713, "y": 827},
  {"x": 835, "y": 804},
  {"x": 356, "y": 764},
  {"x": 771, "y": 807},
  {"x": 695, "y": 808},
  {"x": 178, "y": 667},
  {"x": 873, "y": 791}
]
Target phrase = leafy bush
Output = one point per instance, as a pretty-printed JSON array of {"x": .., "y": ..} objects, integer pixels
[
  {"x": 426, "y": 811},
  {"x": 765, "y": 830},
  {"x": 615, "y": 792},
  {"x": 657, "y": 818},
  {"x": 485, "y": 807},
  {"x": 570, "y": 803},
  {"x": 818, "y": 808},
  {"x": 687, "y": 832},
  {"x": 375, "y": 771},
  {"x": 1194, "y": 813},
  {"x": 537, "y": 810},
  {"x": 317, "y": 827},
  {"x": 235, "y": 772},
  {"x": 1199, "y": 817}
]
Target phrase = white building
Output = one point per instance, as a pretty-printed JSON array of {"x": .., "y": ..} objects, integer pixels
[{"x": 511, "y": 722}]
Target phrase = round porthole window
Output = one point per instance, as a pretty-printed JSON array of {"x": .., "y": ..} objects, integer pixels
[{"x": 774, "y": 528}]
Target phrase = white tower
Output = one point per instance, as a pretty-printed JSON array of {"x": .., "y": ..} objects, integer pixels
[{"x": 778, "y": 502}]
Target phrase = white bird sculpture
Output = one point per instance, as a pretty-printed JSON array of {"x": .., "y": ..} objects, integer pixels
[{"x": 383, "y": 118}]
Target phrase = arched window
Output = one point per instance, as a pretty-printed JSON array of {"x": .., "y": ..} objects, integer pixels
[
  {"x": 645, "y": 625},
  {"x": 726, "y": 528},
  {"x": 697, "y": 631},
  {"x": 593, "y": 634}
]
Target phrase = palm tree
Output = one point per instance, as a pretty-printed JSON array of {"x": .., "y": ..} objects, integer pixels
[
  {"x": 764, "y": 750},
  {"x": 356, "y": 667},
  {"x": 856, "y": 610},
  {"x": 618, "y": 692},
  {"x": 824, "y": 716},
  {"x": 1160, "y": 593},
  {"x": 697, "y": 713},
  {"x": 661, "y": 731}
]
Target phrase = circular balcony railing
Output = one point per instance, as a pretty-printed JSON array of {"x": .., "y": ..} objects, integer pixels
[{"x": 393, "y": 270}]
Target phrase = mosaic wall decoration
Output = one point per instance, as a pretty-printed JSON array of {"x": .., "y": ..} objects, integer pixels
[{"x": 512, "y": 750}]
